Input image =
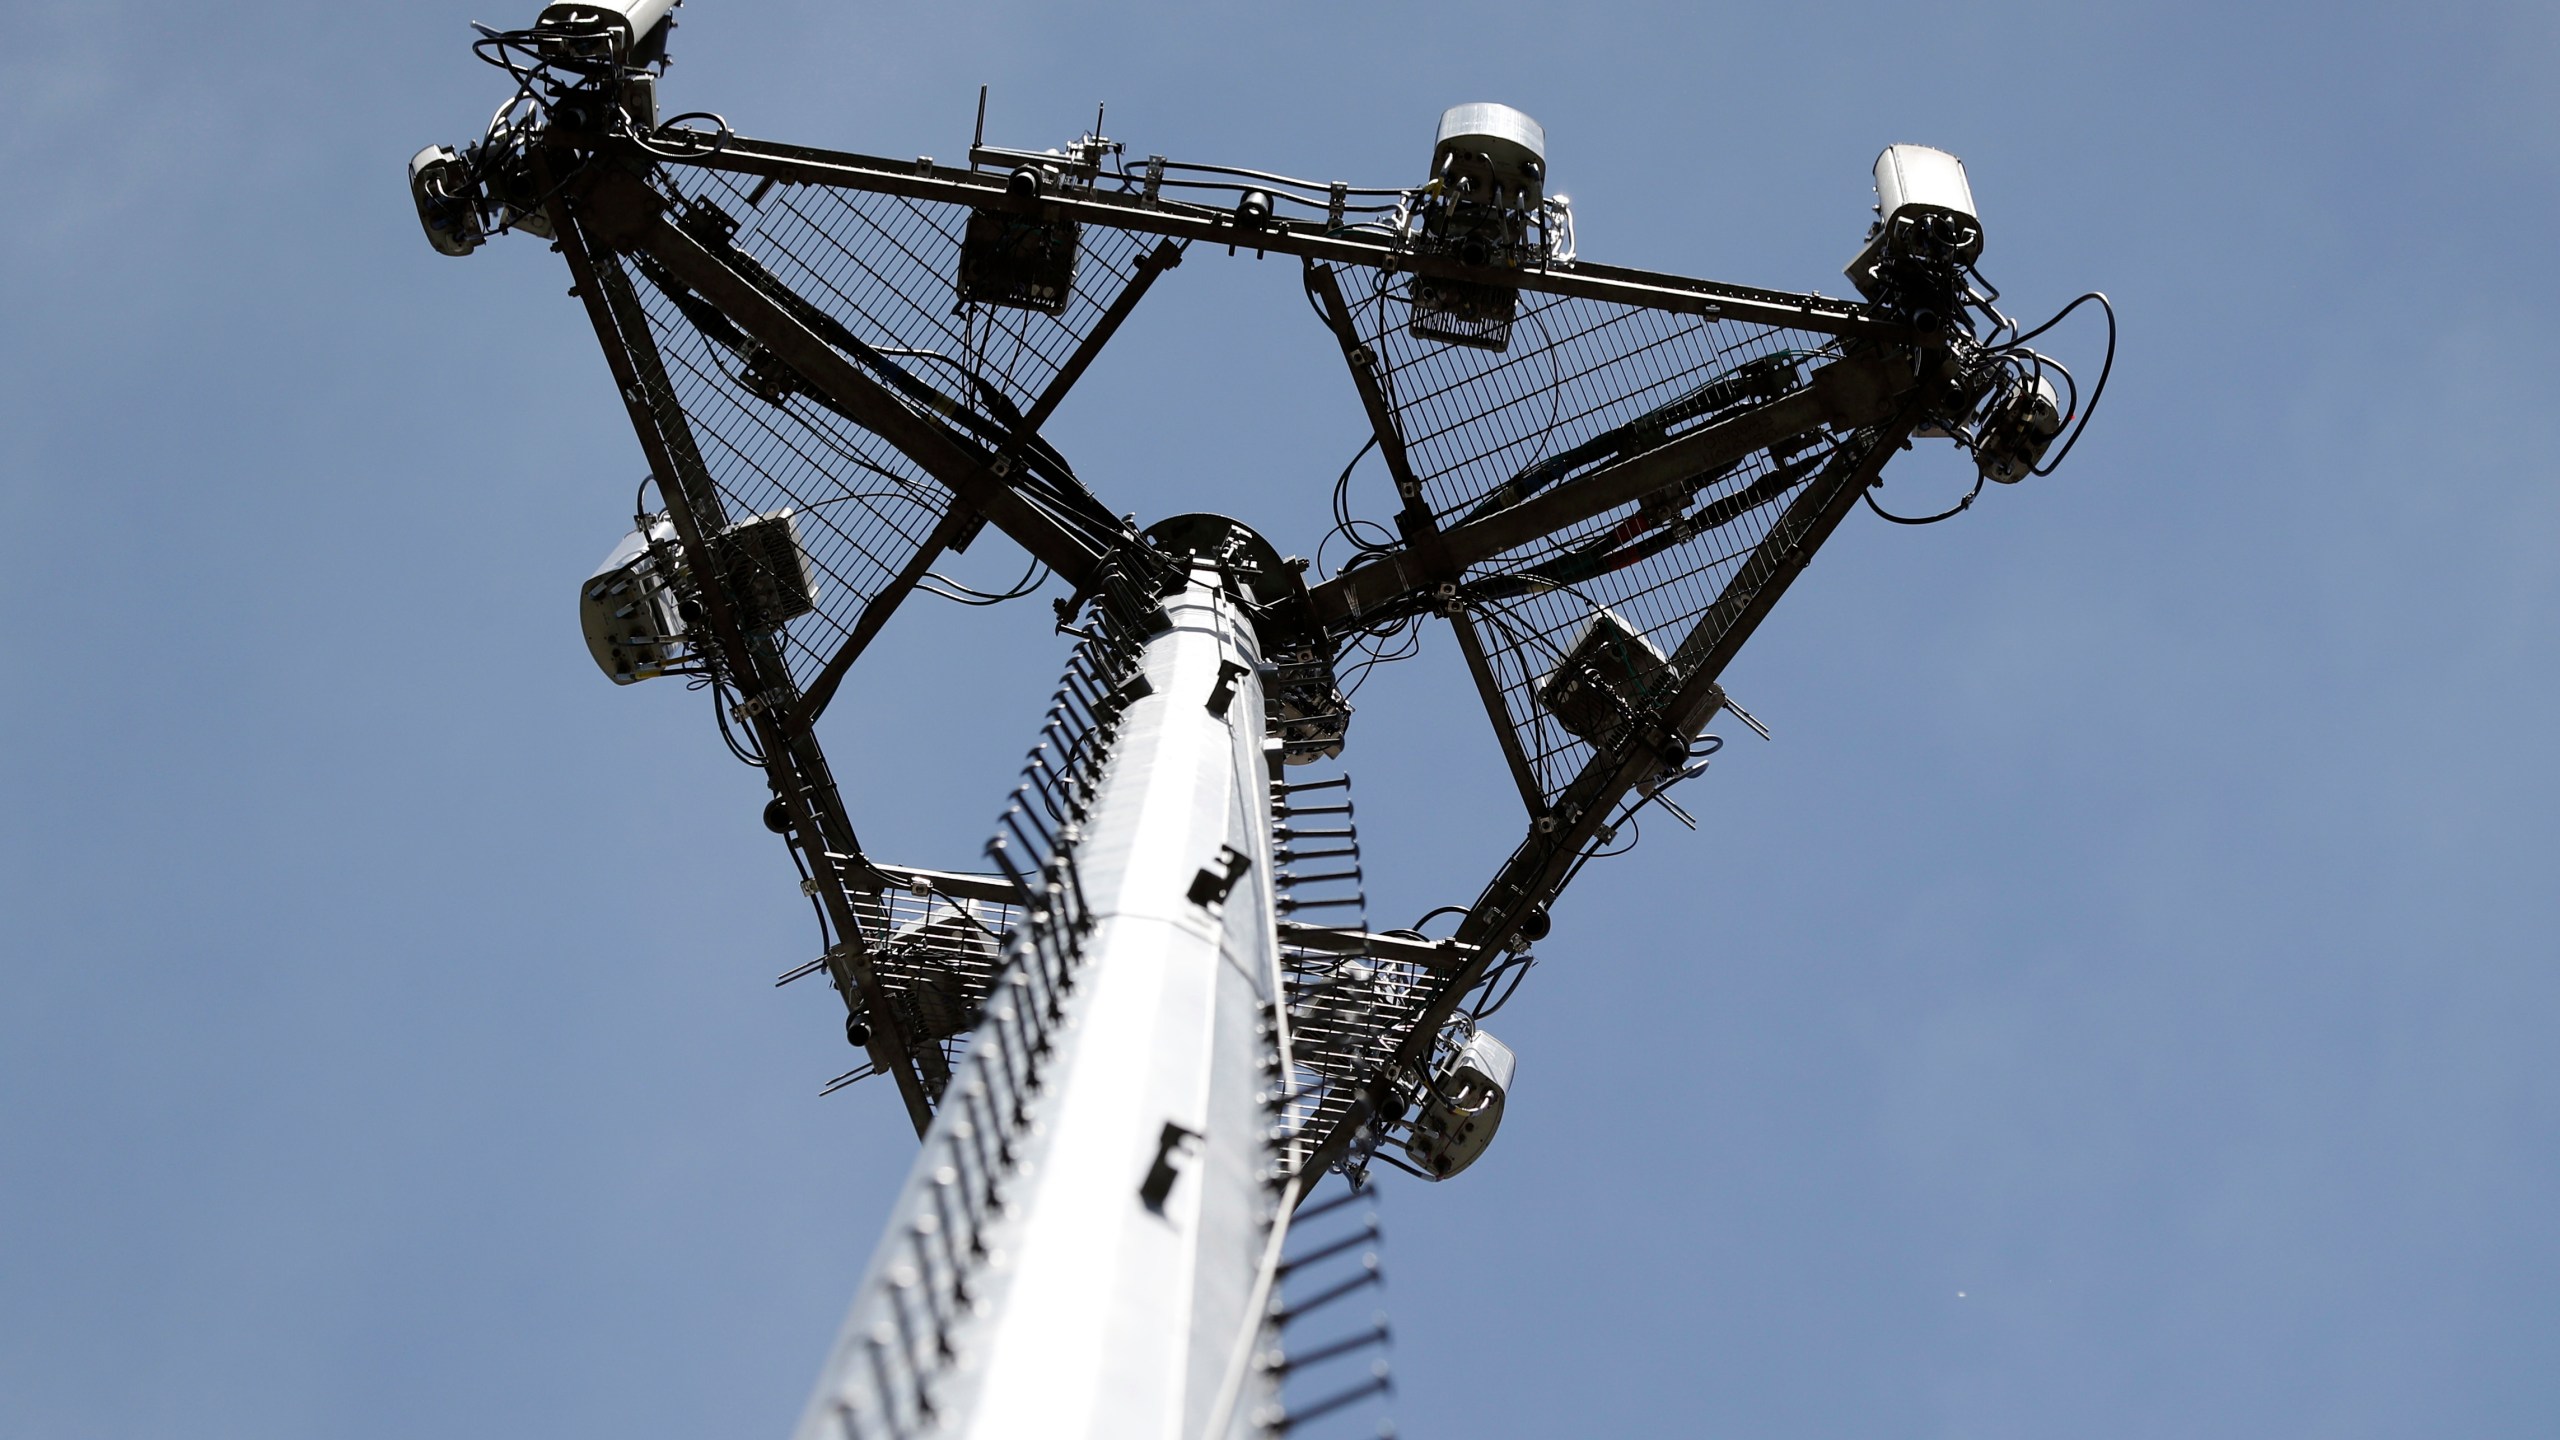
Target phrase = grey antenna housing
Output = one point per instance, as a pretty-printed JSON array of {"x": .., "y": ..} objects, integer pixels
[
  {"x": 1499, "y": 153},
  {"x": 1924, "y": 208},
  {"x": 629, "y": 608},
  {"x": 1484, "y": 208},
  {"x": 597, "y": 29}
]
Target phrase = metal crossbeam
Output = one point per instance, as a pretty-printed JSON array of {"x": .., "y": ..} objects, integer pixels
[
  {"x": 1539, "y": 869},
  {"x": 1424, "y": 543},
  {"x": 629, "y": 214},
  {"x": 1426, "y": 574},
  {"x": 1843, "y": 395},
  {"x": 923, "y": 180},
  {"x": 795, "y": 766}
]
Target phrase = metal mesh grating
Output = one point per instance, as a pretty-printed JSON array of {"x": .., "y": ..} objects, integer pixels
[
  {"x": 1583, "y": 382},
  {"x": 886, "y": 268},
  {"x": 1347, "y": 1015},
  {"x": 861, "y": 508},
  {"x": 882, "y": 267},
  {"x": 938, "y": 956},
  {"x": 1661, "y": 598}
]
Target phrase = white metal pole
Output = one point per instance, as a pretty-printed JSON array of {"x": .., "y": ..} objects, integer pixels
[{"x": 1134, "y": 1207}]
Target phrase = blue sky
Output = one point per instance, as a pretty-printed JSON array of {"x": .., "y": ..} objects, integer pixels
[{"x": 2142, "y": 926}]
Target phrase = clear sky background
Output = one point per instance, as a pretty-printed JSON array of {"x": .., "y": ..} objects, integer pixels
[{"x": 2121, "y": 1003}]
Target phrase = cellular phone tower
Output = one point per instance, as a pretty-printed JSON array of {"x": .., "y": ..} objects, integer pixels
[{"x": 1153, "y": 1048}]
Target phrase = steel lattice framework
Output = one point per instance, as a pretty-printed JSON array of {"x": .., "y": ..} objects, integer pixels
[
  {"x": 781, "y": 321},
  {"x": 840, "y": 368}
]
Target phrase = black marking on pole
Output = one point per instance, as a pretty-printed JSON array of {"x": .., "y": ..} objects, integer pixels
[
  {"x": 1222, "y": 696},
  {"x": 1170, "y": 1145},
  {"x": 1213, "y": 884}
]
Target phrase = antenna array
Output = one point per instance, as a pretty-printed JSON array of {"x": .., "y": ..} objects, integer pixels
[{"x": 839, "y": 368}]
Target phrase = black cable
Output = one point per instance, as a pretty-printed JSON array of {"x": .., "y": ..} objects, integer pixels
[
  {"x": 720, "y": 713},
  {"x": 719, "y": 141},
  {"x": 2095, "y": 395},
  {"x": 2105, "y": 369},
  {"x": 2063, "y": 314},
  {"x": 492, "y": 47},
  {"x": 826, "y": 931},
  {"x": 1342, "y": 485},
  {"x": 1635, "y": 837},
  {"x": 1344, "y": 523},
  {"x": 1324, "y": 205},
  {"x": 1348, "y": 682},
  {"x": 1496, "y": 972},
  {"x": 1381, "y": 1154},
  {"x": 1432, "y": 915},
  {"x": 1278, "y": 186},
  {"x": 1484, "y": 610},
  {"x": 1266, "y": 175},
  {"x": 1989, "y": 304},
  {"x": 1520, "y": 965},
  {"x": 1409, "y": 645},
  {"x": 1032, "y": 579},
  {"x": 1960, "y": 507},
  {"x": 1034, "y": 576},
  {"x": 1608, "y": 835},
  {"x": 2070, "y": 382},
  {"x": 907, "y": 495}
]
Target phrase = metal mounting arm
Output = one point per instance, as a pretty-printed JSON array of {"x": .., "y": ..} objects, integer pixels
[
  {"x": 795, "y": 766},
  {"x": 1555, "y": 846},
  {"x": 956, "y": 522},
  {"x": 1423, "y": 539},
  {"x": 923, "y": 180},
  {"x": 1165, "y": 256},
  {"x": 1843, "y": 395}
]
